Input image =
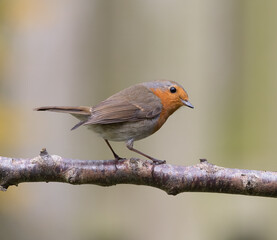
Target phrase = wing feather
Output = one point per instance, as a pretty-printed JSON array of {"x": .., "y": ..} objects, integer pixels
[{"x": 131, "y": 104}]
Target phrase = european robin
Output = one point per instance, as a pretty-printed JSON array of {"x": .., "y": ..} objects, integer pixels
[{"x": 131, "y": 114}]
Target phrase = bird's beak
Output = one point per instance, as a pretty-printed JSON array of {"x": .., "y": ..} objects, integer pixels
[{"x": 187, "y": 103}]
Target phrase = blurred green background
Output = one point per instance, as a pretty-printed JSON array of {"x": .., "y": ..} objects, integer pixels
[{"x": 67, "y": 52}]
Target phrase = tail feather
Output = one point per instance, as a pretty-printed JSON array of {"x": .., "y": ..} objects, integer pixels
[
  {"x": 72, "y": 110},
  {"x": 79, "y": 124},
  {"x": 82, "y": 113}
]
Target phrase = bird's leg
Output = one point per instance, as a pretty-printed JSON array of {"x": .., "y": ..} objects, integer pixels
[
  {"x": 115, "y": 155},
  {"x": 129, "y": 145}
]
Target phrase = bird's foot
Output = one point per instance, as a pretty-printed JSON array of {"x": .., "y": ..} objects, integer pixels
[
  {"x": 117, "y": 158},
  {"x": 158, "y": 162}
]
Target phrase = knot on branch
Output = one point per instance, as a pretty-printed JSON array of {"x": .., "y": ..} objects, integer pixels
[
  {"x": 209, "y": 168},
  {"x": 45, "y": 160},
  {"x": 249, "y": 181}
]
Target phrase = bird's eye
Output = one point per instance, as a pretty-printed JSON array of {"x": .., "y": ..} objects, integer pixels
[{"x": 173, "y": 90}]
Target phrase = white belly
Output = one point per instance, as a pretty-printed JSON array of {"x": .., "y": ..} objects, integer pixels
[{"x": 126, "y": 130}]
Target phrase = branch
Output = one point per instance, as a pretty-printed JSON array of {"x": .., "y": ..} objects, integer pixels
[{"x": 202, "y": 177}]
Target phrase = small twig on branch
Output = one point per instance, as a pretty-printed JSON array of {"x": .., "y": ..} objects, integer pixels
[{"x": 202, "y": 177}]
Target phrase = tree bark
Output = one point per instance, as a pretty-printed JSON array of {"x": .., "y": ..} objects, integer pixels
[{"x": 202, "y": 177}]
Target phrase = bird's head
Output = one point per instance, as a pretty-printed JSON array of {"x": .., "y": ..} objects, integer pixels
[{"x": 171, "y": 94}]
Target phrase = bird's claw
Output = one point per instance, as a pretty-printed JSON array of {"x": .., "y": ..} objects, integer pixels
[
  {"x": 158, "y": 162},
  {"x": 117, "y": 159}
]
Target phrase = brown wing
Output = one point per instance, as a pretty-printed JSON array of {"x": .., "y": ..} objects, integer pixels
[{"x": 131, "y": 104}]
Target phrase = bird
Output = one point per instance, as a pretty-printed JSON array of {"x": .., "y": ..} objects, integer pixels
[{"x": 132, "y": 114}]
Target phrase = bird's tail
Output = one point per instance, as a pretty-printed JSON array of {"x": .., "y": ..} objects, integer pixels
[
  {"x": 82, "y": 113},
  {"x": 72, "y": 110}
]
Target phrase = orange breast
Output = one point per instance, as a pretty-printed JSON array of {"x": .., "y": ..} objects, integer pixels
[{"x": 170, "y": 102}]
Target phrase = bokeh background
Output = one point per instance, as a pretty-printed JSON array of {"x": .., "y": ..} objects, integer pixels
[{"x": 67, "y": 52}]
